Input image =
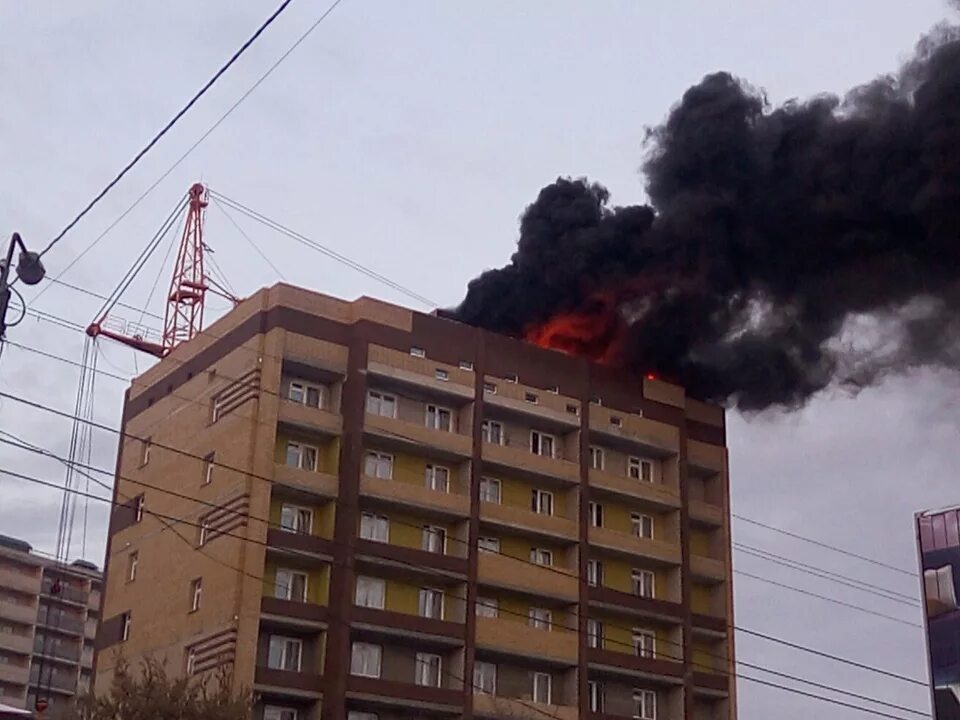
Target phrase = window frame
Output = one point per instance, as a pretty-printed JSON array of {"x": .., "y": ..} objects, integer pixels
[
  {"x": 421, "y": 675},
  {"x": 549, "y": 686},
  {"x": 638, "y": 463},
  {"x": 595, "y": 510},
  {"x": 126, "y": 620},
  {"x": 637, "y": 523},
  {"x": 358, "y": 645},
  {"x": 642, "y": 709},
  {"x": 305, "y": 388},
  {"x": 595, "y": 633},
  {"x": 370, "y": 582},
  {"x": 644, "y": 642},
  {"x": 594, "y": 573},
  {"x": 196, "y": 594},
  {"x": 491, "y": 605},
  {"x": 438, "y": 411},
  {"x": 133, "y": 560},
  {"x": 431, "y": 477},
  {"x": 378, "y": 519},
  {"x": 597, "y": 452},
  {"x": 540, "y": 499},
  {"x": 299, "y": 511},
  {"x": 424, "y": 599},
  {"x": 638, "y": 578},
  {"x": 431, "y": 531},
  {"x": 491, "y": 482},
  {"x": 537, "y": 438},
  {"x": 381, "y": 459},
  {"x": 278, "y": 712},
  {"x": 537, "y": 553},
  {"x": 209, "y": 462},
  {"x": 540, "y": 618},
  {"x": 487, "y": 431},
  {"x": 478, "y": 677},
  {"x": 376, "y": 399},
  {"x": 286, "y": 642},
  {"x": 488, "y": 540},
  {"x": 595, "y": 699},
  {"x": 289, "y": 586}
]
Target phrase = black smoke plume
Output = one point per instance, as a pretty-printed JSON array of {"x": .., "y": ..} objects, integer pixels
[{"x": 783, "y": 249}]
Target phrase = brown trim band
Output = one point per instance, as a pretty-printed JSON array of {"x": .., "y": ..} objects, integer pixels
[
  {"x": 302, "y": 681},
  {"x": 404, "y": 692},
  {"x": 410, "y": 623}
]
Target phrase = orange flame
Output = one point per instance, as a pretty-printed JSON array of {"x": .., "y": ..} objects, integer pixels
[{"x": 594, "y": 332}]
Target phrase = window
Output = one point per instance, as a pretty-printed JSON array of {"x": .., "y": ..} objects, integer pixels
[
  {"x": 642, "y": 582},
  {"x": 539, "y": 556},
  {"x": 493, "y": 432},
  {"x": 378, "y": 465},
  {"x": 542, "y": 443},
  {"x": 489, "y": 490},
  {"x": 531, "y": 398},
  {"x": 594, "y": 633},
  {"x": 541, "y": 502},
  {"x": 275, "y": 712},
  {"x": 573, "y": 409},
  {"x": 138, "y": 508},
  {"x": 439, "y": 418},
  {"x": 542, "y": 688},
  {"x": 596, "y": 514},
  {"x": 641, "y": 525},
  {"x": 418, "y": 352},
  {"x": 296, "y": 519},
  {"x": 438, "y": 477},
  {"x": 125, "y": 627},
  {"x": 644, "y": 643},
  {"x": 302, "y": 456},
  {"x": 204, "y": 532},
  {"x": 488, "y": 544},
  {"x": 511, "y": 378},
  {"x": 145, "y": 445},
  {"x": 431, "y": 603},
  {"x": 555, "y": 389},
  {"x": 434, "y": 539},
  {"x": 133, "y": 559},
  {"x": 374, "y": 527},
  {"x": 485, "y": 678},
  {"x": 196, "y": 593},
  {"x": 595, "y": 695},
  {"x": 490, "y": 388},
  {"x": 441, "y": 374},
  {"x": 594, "y": 573},
  {"x": 291, "y": 585},
  {"x": 466, "y": 365},
  {"x": 370, "y": 592},
  {"x": 540, "y": 618},
  {"x": 596, "y": 458},
  {"x": 285, "y": 653},
  {"x": 208, "y": 464},
  {"x": 487, "y": 607},
  {"x": 216, "y": 409},
  {"x": 428, "y": 669},
  {"x": 639, "y": 469},
  {"x": 381, "y": 404},
  {"x": 191, "y": 662},
  {"x": 306, "y": 394},
  {"x": 616, "y": 421},
  {"x": 365, "y": 659},
  {"x": 358, "y": 715},
  {"x": 644, "y": 705}
]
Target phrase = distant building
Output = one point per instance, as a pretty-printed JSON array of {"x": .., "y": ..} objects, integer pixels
[
  {"x": 48, "y": 611},
  {"x": 379, "y": 514}
]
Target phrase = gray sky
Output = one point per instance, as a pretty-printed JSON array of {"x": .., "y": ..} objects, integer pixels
[{"x": 409, "y": 136}]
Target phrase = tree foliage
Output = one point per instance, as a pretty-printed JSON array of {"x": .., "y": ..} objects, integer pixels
[{"x": 152, "y": 695}]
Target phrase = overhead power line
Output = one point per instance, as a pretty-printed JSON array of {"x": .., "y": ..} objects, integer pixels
[
  {"x": 195, "y": 145},
  {"x": 166, "y": 128},
  {"x": 176, "y": 519},
  {"x": 818, "y": 543}
]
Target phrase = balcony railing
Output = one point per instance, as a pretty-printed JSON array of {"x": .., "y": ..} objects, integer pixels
[
  {"x": 70, "y": 653},
  {"x": 66, "y": 593}
]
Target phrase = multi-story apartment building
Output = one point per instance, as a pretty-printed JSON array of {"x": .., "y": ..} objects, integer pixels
[
  {"x": 48, "y": 621},
  {"x": 374, "y": 513}
]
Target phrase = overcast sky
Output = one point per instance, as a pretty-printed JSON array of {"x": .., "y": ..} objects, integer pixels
[{"x": 409, "y": 136}]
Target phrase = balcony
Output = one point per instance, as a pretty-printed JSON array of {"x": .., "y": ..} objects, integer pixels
[
  {"x": 403, "y": 371},
  {"x": 403, "y": 625},
  {"x": 520, "y": 458},
  {"x": 633, "y": 432},
  {"x": 405, "y": 695},
  {"x": 320, "y": 484},
  {"x": 706, "y": 513},
  {"x": 22, "y": 644},
  {"x": 311, "y": 419},
  {"x": 406, "y": 559},
  {"x": 90, "y": 629},
  {"x": 520, "y": 518},
  {"x": 26, "y": 614},
  {"x": 305, "y": 615},
  {"x": 656, "y": 495},
  {"x": 510, "y": 399},
  {"x": 515, "y": 636},
  {"x": 704, "y": 568},
  {"x": 705, "y": 457},
  {"x": 623, "y": 664},
  {"x": 621, "y": 602},
  {"x": 306, "y": 685},
  {"x": 518, "y": 574},
  {"x": 66, "y": 594},
  {"x": 298, "y": 545},
  {"x": 491, "y": 706},
  {"x": 71, "y": 625},
  {"x": 14, "y": 674},
  {"x": 417, "y": 496},
  {"x": 13, "y": 580},
  {"x": 416, "y": 437},
  {"x": 69, "y": 654},
  {"x": 627, "y": 544},
  {"x": 63, "y": 682}
]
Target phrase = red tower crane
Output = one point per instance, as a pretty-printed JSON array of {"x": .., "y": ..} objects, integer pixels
[{"x": 189, "y": 285}]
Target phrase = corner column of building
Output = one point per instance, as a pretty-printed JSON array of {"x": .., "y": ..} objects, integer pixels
[
  {"x": 337, "y": 661},
  {"x": 476, "y": 472},
  {"x": 583, "y": 672},
  {"x": 686, "y": 578}
]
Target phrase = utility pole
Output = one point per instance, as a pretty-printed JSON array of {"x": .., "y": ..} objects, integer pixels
[{"x": 29, "y": 269}]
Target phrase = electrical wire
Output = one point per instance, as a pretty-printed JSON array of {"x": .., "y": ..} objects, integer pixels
[
  {"x": 738, "y": 675},
  {"x": 323, "y": 249},
  {"x": 243, "y": 234},
  {"x": 166, "y": 128},
  {"x": 818, "y": 543},
  {"x": 194, "y": 146}
]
